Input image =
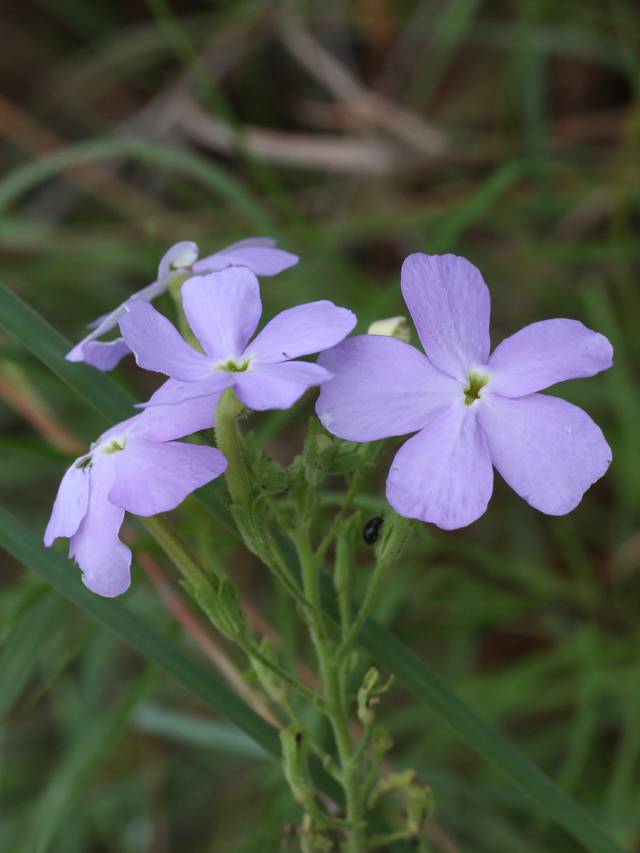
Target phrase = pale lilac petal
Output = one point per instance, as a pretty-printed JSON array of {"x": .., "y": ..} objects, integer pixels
[
  {"x": 443, "y": 474},
  {"x": 156, "y": 477},
  {"x": 70, "y": 505},
  {"x": 252, "y": 243},
  {"x": 158, "y": 346},
  {"x": 164, "y": 420},
  {"x": 547, "y": 450},
  {"x": 545, "y": 353},
  {"x": 380, "y": 387},
  {"x": 259, "y": 254},
  {"x": 105, "y": 560},
  {"x": 302, "y": 330},
  {"x": 223, "y": 309},
  {"x": 450, "y": 306},
  {"x": 104, "y": 355},
  {"x": 182, "y": 392},
  {"x": 179, "y": 257},
  {"x": 277, "y": 386}
]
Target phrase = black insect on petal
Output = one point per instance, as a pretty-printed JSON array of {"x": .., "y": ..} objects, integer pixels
[{"x": 371, "y": 530}]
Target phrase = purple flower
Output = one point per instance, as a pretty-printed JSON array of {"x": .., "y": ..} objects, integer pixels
[
  {"x": 134, "y": 466},
  {"x": 259, "y": 254},
  {"x": 223, "y": 310},
  {"x": 470, "y": 409}
]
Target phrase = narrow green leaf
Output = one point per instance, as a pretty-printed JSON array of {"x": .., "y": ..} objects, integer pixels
[
  {"x": 27, "y": 548},
  {"x": 31, "y": 330},
  {"x": 22, "y": 649},
  {"x": 195, "y": 731}
]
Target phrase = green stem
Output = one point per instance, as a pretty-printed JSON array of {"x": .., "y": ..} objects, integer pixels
[
  {"x": 228, "y": 440},
  {"x": 177, "y": 551},
  {"x": 364, "y": 612},
  {"x": 335, "y": 709}
]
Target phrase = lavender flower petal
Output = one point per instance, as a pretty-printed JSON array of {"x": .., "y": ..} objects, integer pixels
[
  {"x": 450, "y": 306},
  {"x": 105, "y": 355},
  {"x": 105, "y": 560},
  {"x": 259, "y": 254},
  {"x": 277, "y": 386},
  {"x": 443, "y": 474},
  {"x": 152, "y": 478},
  {"x": 546, "y": 449},
  {"x": 223, "y": 309},
  {"x": 381, "y": 387},
  {"x": 165, "y": 419},
  {"x": 545, "y": 353},
  {"x": 70, "y": 505},
  {"x": 184, "y": 392},
  {"x": 302, "y": 330},
  {"x": 158, "y": 346}
]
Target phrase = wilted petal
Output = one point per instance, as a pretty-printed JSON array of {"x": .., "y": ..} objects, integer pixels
[
  {"x": 105, "y": 560},
  {"x": 277, "y": 386},
  {"x": 547, "y": 450},
  {"x": 545, "y": 353},
  {"x": 223, "y": 309},
  {"x": 70, "y": 505},
  {"x": 158, "y": 346},
  {"x": 152, "y": 477},
  {"x": 380, "y": 387},
  {"x": 443, "y": 474},
  {"x": 259, "y": 254},
  {"x": 450, "y": 306},
  {"x": 165, "y": 418}
]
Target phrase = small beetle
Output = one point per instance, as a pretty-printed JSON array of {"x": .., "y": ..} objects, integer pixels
[{"x": 371, "y": 530}]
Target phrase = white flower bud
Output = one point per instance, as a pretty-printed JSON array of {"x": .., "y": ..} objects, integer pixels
[{"x": 393, "y": 327}]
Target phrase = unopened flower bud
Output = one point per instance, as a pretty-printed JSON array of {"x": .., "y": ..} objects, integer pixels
[{"x": 393, "y": 327}]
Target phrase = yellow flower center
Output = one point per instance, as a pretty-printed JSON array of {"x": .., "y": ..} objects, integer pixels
[{"x": 476, "y": 383}]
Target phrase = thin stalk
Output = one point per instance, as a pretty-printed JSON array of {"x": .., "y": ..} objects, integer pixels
[
  {"x": 335, "y": 710},
  {"x": 365, "y": 610},
  {"x": 177, "y": 551}
]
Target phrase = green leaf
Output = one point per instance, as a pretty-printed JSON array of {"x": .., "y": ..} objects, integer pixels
[
  {"x": 27, "y": 548},
  {"x": 34, "y": 333},
  {"x": 22, "y": 650},
  {"x": 195, "y": 731}
]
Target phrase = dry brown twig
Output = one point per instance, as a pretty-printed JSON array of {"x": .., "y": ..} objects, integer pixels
[{"x": 373, "y": 109}]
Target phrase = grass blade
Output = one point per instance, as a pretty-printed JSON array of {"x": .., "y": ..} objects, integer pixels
[
  {"x": 27, "y": 548},
  {"x": 22, "y": 650}
]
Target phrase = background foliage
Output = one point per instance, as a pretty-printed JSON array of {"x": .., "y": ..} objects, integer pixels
[{"x": 505, "y": 131}]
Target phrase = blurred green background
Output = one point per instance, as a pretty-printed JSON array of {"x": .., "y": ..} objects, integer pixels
[{"x": 355, "y": 133}]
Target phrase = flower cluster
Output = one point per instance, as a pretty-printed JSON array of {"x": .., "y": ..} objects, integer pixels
[{"x": 471, "y": 410}]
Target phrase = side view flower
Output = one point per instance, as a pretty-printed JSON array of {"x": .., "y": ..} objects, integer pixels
[
  {"x": 137, "y": 467},
  {"x": 259, "y": 254},
  {"x": 471, "y": 410},
  {"x": 223, "y": 310}
]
